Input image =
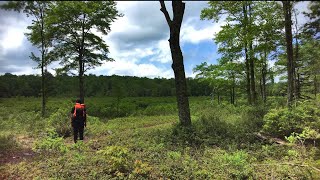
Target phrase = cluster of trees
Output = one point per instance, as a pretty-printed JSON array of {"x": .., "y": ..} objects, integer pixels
[
  {"x": 257, "y": 32},
  {"x": 67, "y": 86},
  {"x": 64, "y": 31}
]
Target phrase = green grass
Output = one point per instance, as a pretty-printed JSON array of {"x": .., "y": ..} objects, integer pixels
[{"x": 219, "y": 145}]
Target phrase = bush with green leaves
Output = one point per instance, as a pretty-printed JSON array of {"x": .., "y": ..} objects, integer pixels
[
  {"x": 141, "y": 170},
  {"x": 60, "y": 121},
  {"x": 209, "y": 163},
  {"x": 8, "y": 142},
  {"x": 51, "y": 142},
  {"x": 94, "y": 126},
  {"x": 283, "y": 121},
  {"x": 117, "y": 158}
]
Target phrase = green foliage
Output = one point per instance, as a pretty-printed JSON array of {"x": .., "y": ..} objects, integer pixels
[
  {"x": 307, "y": 134},
  {"x": 219, "y": 145},
  {"x": 8, "y": 143},
  {"x": 71, "y": 25},
  {"x": 94, "y": 126},
  {"x": 211, "y": 164},
  {"x": 284, "y": 121},
  {"x": 239, "y": 166},
  {"x": 312, "y": 27},
  {"x": 60, "y": 121},
  {"x": 96, "y": 86},
  {"x": 225, "y": 126},
  {"x": 245, "y": 22},
  {"x": 51, "y": 143},
  {"x": 309, "y": 65},
  {"x": 141, "y": 169},
  {"x": 118, "y": 159}
]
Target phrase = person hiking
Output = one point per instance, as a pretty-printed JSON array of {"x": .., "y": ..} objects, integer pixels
[{"x": 78, "y": 120}]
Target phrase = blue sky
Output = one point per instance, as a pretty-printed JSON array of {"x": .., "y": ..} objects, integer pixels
[{"x": 138, "y": 41}]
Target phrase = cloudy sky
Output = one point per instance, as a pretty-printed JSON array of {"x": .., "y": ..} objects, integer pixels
[{"x": 138, "y": 41}]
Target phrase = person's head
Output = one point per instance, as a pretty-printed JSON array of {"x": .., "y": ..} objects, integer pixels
[{"x": 78, "y": 101}]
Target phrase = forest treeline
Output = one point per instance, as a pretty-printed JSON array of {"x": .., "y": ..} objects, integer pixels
[
  {"x": 124, "y": 86},
  {"x": 67, "y": 86}
]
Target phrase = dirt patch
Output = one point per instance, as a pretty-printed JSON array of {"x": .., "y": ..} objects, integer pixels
[{"x": 16, "y": 156}]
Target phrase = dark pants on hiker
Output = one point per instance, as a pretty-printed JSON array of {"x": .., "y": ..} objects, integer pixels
[{"x": 78, "y": 126}]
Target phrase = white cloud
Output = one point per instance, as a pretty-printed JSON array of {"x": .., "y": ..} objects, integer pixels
[
  {"x": 123, "y": 67},
  {"x": 162, "y": 53},
  {"x": 189, "y": 33},
  {"x": 12, "y": 35},
  {"x": 13, "y": 38},
  {"x": 301, "y": 7}
]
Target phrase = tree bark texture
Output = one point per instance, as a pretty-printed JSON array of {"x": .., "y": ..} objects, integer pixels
[
  {"x": 252, "y": 78},
  {"x": 290, "y": 63},
  {"x": 264, "y": 79},
  {"x": 297, "y": 75},
  {"x": 246, "y": 55},
  {"x": 177, "y": 58},
  {"x": 251, "y": 62},
  {"x": 43, "y": 110},
  {"x": 81, "y": 64}
]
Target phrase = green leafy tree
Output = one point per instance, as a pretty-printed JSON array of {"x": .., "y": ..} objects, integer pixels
[
  {"x": 312, "y": 28},
  {"x": 38, "y": 34},
  {"x": 222, "y": 77},
  {"x": 74, "y": 43},
  {"x": 269, "y": 24},
  {"x": 236, "y": 37},
  {"x": 310, "y": 67},
  {"x": 309, "y": 58},
  {"x": 253, "y": 32}
]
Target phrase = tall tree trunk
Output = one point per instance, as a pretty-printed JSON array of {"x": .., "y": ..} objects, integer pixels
[
  {"x": 177, "y": 58},
  {"x": 290, "y": 64},
  {"x": 43, "y": 111},
  {"x": 232, "y": 90},
  {"x": 246, "y": 54},
  {"x": 297, "y": 75},
  {"x": 248, "y": 75},
  {"x": 251, "y": 62},
  {"x": 264, "y": 74},
  {"x": 81, "y": 63},
  {"x": 252, "y": 78},
  {"x": 81, "y": 90}
]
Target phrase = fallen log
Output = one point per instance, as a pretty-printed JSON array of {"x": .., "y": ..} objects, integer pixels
[{"x": 270, "y": 139}]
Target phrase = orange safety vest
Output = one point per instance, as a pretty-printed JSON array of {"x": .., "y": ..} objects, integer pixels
[{"x": 78, "y": 106}]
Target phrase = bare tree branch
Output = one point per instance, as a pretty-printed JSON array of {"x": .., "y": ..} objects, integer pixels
[{"x": 165, "y": 12}]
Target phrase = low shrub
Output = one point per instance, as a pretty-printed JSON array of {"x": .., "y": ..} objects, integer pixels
[
  {"x": 283, "y": 121},
  {"x": 60, "y": 121},
  {"x": 51, "y": 142},
  {"x": 117, "y": 159},
  {"x": 8, "y": 142}
]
